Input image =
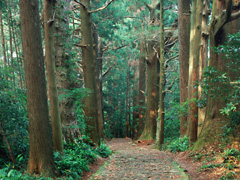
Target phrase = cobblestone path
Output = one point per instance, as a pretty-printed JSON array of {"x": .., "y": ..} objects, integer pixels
[{"x": 130, "y": 161}]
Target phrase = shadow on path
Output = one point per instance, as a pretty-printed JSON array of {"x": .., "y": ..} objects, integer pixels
[{"x": 130, "y": 161}]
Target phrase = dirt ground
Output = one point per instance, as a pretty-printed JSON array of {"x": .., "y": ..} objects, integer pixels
[{"x": 139, "y": 160}]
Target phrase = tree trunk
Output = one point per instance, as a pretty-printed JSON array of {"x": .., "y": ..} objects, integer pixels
[
  {"x": 184, "y": 41},
  {"x": 3, "y": 41},
  {"x": 98, "y": 91},
  {"x": 49, "y": 6},
  {"x": 63, "y": 70},
  {"x": 135, "y": 99},
  {"x": 203, "y": 59},
  {"x": 88, "y": 71},
  {"x": 196, "y": 22},
  {"x": 149, "y": 132},
  {"x": 141, "y": 93},
  {"x": 10, "y": 43},
  {"x": 220, "y": 27},
  {"x": 41, "y": 149},
  {"x": 160, "y": 120}
]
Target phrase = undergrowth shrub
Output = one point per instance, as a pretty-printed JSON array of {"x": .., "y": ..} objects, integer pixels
[
  {"x": 103, "y": 150},
  {"x": 178, "y": 145},
  {"x": 70, "y": 165}
]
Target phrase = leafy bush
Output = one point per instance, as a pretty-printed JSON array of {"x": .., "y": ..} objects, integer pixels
[
  {"x": 103, "y": 150},
  {"x": 75, "y": 160},
  {"x": 179, "y": 145}
]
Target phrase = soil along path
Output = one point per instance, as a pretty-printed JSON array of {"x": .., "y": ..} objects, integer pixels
[{"x": 131, "y": 161}]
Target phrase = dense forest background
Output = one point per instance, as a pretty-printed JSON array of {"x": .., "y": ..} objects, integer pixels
[{"x": 74, "y": 73}]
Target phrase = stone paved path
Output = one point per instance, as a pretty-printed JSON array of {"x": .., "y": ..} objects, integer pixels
[{"x": 137, "y": 162}]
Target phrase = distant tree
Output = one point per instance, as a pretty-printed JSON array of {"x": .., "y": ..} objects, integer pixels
[{"x": 41, "y": 149}]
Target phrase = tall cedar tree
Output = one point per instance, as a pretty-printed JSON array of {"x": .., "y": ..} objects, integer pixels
[
  {"x": 224, "y": 21},
  {"x": 160, "y": 120},
  {"x": 149, "y": 131},
  {"x": 195, "y": 36},
  {"x": 184, "y": 42},
  {"x": 49, "y": 7},
  {"x": 88, "y": 72},
  {"x": 41, "y": 148}
]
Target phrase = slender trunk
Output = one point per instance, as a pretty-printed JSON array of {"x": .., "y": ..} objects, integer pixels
[
  {"x": 184, "y": 41},
  {"x": 135, "y": 99},
  {"x": 3, "y": 41},
  {"x": 160, "y": 120},
  {"x": 141, "y": 93},
  {"x": 127, "y": 124},
  {"x": 10, "y": 43},
  {"x": 97, "y": 69},
  {"x": 88, "y": 71},
  {"x": 49, "y": 7},
  {"x": 41, "y": 150}
]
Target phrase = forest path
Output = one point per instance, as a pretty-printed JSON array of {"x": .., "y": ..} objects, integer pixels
[{"x": 136, "y": 161}]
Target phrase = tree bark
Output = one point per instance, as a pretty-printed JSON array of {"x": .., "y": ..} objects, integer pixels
[
  {"x": 149, "y": 132},
  {"x": 135, "y": 99},
  {"x": 41, "y": 149},
  {"x": 96, "y": 58},
  {"x": 184, "y": 41},
  {"x": 141, "y": 93},
  {"x": 62, "y": 43},
  {"x": 49, "y": 6},
  {"x": 88, "y": 71},
  {"x": 3, "y": 41},
  {"x": 196, "y": 24},
  {"x": 203, "y": 59},
  {"x": 160, "y": 120},
  {"x": 220, "y": 26}
]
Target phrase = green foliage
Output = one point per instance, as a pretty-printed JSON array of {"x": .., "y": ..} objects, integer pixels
[
  {"x": 228, "y": 176},
  {"x": 208, "y": 167},
  {"x": 13, "y": 117},
  {"x": 103, "y": 150},
  {"x": 70, "y": 165},
  {"x": 179, "y": 145}
]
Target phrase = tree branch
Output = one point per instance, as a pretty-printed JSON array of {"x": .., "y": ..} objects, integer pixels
[
  {"x": 148, "y": 6},
  {"x": 235, "y": 16},
  {"x": 109, "y": 69},
  {"x": 101, "y": 8},
  {"x": 81, "y": 4}
]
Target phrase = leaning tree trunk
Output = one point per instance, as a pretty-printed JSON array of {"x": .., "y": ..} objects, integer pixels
[
  {"x": 220, "y": 27},
  {"x": 49, "y": 6},
  {"x": 184, "y": 42},
  {"x": 88, "y": 71},
  {"x": 41, "y": 150}
]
